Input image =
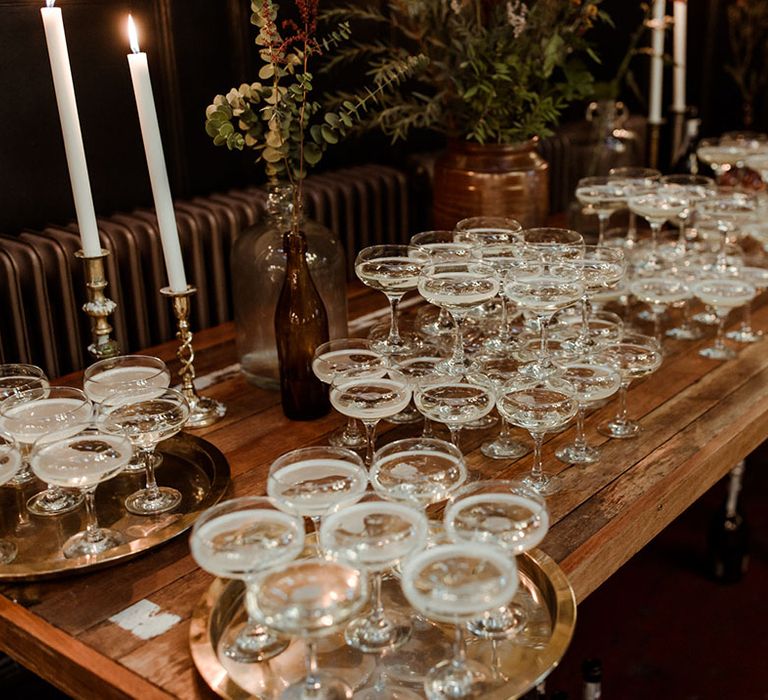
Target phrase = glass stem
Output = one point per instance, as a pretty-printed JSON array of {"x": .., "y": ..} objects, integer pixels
[
  {"x": 504, "y": 331},
  {"x": 457, "y": 358},
  {"x": 602, "y": 224},
  {"x": 632, "y": 229},
  {"x": 655, "y": 229},
  {"x": 681, "y": 241},
  {"x": 580, "y": 441},
  {"x": 377, "y": 607},
  {"x": 746, "y": 321},
  {"x": 585, "y": 310},
  {"x": 350, "y": 429},
  {"x": 455, "y": 431},
  {"x": 536, "y": 470},
  {"x": 721, "y": 264},
  {"x": 505, "y": 433},
  {"x": 316, "y": 530},
  {"x": 686, "y": 325},
  {"x": 623, "y": 414},
  {"x": 459, "y": 648},
  {"x": 370, "y": 438},
  {"x": 91, "y": 521},
  {"x": 656, "y": 323},
  {"x": 149, "y": 467},
  {"x": 22, "y": 519},
  {"x": 312, "y": 684},
  {"x": 720, "y": 336},
  {"x": 427, "y": 431},
  {"x": 394, "y": 330}
]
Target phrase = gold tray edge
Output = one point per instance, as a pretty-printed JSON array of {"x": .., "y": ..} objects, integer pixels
[{"x": 219, "y": 485}]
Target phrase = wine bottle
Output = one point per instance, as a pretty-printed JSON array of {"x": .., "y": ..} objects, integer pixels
[
  {"x": 301, "y": 324},
  {"x": 592, "y": 679},
  {"x": 685, "y": 160},
  {"x": 728, "y": 536}
]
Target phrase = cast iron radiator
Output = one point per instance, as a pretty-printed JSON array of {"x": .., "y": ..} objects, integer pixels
[{"x": 42, "y": 286}]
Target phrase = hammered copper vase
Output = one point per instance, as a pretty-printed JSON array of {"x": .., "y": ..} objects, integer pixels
[{"x": 474, "y": 179}]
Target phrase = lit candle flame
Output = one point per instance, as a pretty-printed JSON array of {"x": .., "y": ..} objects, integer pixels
[
  {"x": 133, "y": 35},
  {"x": 50, "y": 3}
]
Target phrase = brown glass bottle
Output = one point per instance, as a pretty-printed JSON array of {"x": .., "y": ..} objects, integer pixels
[{"x": 301, "y": 324}]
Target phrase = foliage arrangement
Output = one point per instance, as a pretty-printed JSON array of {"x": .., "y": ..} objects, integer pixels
[
  {"x": 499, "y": 71},
  {"x": 748, "y": 35},
  {"x": 275, "y": 116}
]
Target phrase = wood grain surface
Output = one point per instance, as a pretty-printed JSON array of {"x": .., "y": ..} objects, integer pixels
[{"x": 699, "y": 418}]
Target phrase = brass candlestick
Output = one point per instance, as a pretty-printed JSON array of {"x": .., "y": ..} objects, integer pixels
[
  {"x": 203, "y": 410},
  {"x": 98, "y": 307}
]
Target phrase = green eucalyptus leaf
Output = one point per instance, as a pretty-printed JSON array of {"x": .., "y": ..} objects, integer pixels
[
  {"x": 266, "y": 71},
  {"x": 329, "y": 136}
]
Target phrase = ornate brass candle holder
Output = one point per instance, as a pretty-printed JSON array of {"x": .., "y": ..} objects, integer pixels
[
  {"x": 203, "y": 410},
  {"x": 98, "y": 307}
]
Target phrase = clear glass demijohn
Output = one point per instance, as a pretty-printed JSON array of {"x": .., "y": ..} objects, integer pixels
[{"x": 258, "y": 270}]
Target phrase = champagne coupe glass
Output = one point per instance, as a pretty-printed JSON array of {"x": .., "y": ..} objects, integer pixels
[
  {"x": 369, "y": 399},
  {"x": 602, "y": 326},
  {"x": 454, "y": 401},
  {"x": 539, "y": 410},
  {"x": 483, "y": 230},
  {"x": 506, "y": 514},
  {"x": 107, "y": 382},
  {"x": 413, "y": 371},
  {"x": 601, "y": 195},
  {"x": 634, "y": 179},
  {"x": 83, "y": 460},
  {"x": 458, "y": 287},
  {"x": 659, "y": 293},
  {"x": 239, "y": 539},
  {"x": 457, "y": 583},
  {"x": 417, "y": 471},
  {"x": 311, "y": 599},
  {"x": 10, "y": 463},
  {"x": 341, "y": 355},
  {"x": 601, "y": 268},
  {"x": 665, "y": 203},
  {"x": 394, "y": 270},
  {"x": 146, "y": 422},
  {"x": 498, "y": 370},
  {"x": 722, "y": 294},
  {"x": 504, "y": 258},
  {"x": 634, "y": 357},
  {"x": 721, "y": 157},
  {"x": 15, "y": 378},
  {"x": 695, "y": 188},
  {"x": 758, "y": 277},
  {"x": 375, "y": 535},
  {"x": 312, "y": 481},
  {"x": 544, "y": 290},
  {"x": 759, "y": 162},
  {"x": 440, "y": 246},
  {"x": 552, "y": 245},
  {"x": 727, "y": 212},
  {"x": 29, "y": 415},
  {"x": 591, "y": 381}
]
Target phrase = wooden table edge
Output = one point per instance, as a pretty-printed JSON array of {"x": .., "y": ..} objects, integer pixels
[{"x": 65, "y": 662}]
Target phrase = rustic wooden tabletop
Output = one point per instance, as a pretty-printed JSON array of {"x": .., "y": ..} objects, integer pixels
[{"x": 699, "y": 418}]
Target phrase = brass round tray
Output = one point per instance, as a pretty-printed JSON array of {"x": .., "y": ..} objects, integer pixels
[
  {"x": 192, "y": 465},
  {"x": 523, "y": 663}
]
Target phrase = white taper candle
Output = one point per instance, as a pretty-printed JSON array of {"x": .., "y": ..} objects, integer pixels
[
  {"x": 680, "y": 15},
  {"x": 70, "y": 128},
  {"x": 657, "y": 62},
  {"x": 158, "y": 175}
]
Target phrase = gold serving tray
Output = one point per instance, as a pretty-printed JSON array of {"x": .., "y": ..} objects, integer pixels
[
  {"x": 522, "y": 663},
  {"x": 192, "y": 465}
]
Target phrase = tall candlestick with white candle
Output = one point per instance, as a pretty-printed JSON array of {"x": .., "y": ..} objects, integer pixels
[
  {"x": 70, "y": 128},
  {"x": 158, "y": 175},
  {"x": 680, "y": 16},
  {"x": 657, "y": 61}
]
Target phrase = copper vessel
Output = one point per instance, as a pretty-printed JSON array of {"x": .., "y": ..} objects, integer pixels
[{"x": 474, "y": 179}]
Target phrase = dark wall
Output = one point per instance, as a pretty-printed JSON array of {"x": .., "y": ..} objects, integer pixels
[{"x": 197, "y": 48}]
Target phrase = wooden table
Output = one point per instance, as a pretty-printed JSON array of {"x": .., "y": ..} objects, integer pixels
[{"x": 699, "y": 418}]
